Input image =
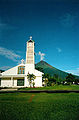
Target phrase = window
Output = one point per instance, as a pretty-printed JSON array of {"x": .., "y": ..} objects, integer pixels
[
  {"x": 21, "y": 70},
  {"x": 20, "y": 82}
]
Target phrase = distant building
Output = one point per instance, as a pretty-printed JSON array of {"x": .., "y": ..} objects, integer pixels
[{"x": 17, "y": 76}]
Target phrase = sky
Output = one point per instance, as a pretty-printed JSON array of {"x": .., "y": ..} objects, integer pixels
[{"x": 53, "y": 25}]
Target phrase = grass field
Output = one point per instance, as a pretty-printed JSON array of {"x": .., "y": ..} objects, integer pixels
[
  {"x": 56, "y": 87},
  {"x": 39, "y": 106}
]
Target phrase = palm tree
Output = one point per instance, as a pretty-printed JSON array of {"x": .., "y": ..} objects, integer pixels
[{"x": 31, "y": 78}]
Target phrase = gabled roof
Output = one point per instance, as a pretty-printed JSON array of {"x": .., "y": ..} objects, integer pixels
[{"x": 30, "y": 41}]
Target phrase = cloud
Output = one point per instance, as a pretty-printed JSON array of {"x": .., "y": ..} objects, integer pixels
[
  {"x": 5, "y": 67},
  {"x": 59, "y": 50},
  {"x": 41, "y": 55},
  {"x": 68, "y": 20},
  {"x": 9, "y": 54},
  {"x": 75, "y": 72}
]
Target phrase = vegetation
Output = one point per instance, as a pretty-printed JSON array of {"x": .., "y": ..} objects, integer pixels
[
  {"x": 76, "y": 81},
  {"x": 28, "y": 106},
  {"x": 45, "y": 78},
  {"x": 70, "y": 78},
  {"x": 31, "y": 78},
  {"x": 55, "y": 87},
  {"x": 55, "y": 80}
]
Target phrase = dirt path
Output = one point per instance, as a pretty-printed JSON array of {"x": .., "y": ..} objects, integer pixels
[{"x": 30, "y": 100}]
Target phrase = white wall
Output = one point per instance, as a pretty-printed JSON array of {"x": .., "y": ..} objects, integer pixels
[
  {"x": 26, "y": 82},
  {"x": 15, "y": 83},
  {"x": 6, "y": 83},
  {"x": 38, "y": 81},
  {"x": 29, "y": 68}
]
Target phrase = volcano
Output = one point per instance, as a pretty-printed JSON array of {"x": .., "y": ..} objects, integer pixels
[{"x": 47, "y": 68}]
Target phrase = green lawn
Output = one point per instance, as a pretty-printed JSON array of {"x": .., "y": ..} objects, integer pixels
[
  {"x": 39, "y": 106},
  {"x": 56, "y": 87}
]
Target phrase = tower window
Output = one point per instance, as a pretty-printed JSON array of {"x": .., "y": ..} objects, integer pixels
[{"x": 21, "y": 70}]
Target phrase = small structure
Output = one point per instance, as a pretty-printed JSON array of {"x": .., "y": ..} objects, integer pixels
[{"x": 17, "y": 76}]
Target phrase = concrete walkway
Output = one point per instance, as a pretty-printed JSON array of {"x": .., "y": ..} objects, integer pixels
[{"x": 9, "y": 89}]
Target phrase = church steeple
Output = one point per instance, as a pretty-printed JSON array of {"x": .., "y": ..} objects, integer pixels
[
  {"x": 30, "y": 40},
  {"x": 30, "y": 51}
]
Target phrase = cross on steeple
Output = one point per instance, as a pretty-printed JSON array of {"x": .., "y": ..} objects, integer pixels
[
  {"x": 22, "y": 61},
  {"x": 30, "y": 37}
]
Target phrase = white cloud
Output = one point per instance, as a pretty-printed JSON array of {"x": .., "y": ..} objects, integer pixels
[
  {"x": 5, "y": 67},
  {"x": 9, "y": 54},
  {"x": 41, "y": 55},
  {"x": 75, "y": 72},
  {"x": 59, "y": 50}
]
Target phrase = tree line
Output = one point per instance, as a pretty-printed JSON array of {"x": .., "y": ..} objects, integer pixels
[{"x": 50, "y": 81}]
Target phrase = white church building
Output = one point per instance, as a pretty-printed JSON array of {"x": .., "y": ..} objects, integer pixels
[{"x": 17, "y": 76}]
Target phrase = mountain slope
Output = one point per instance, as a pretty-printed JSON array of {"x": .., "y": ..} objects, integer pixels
[{"x": 46, "y": 68}]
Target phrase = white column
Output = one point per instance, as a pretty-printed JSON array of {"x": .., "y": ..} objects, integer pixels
[
  {"x": 12, "y": 80},
  {"x": 26, "y": 82}
]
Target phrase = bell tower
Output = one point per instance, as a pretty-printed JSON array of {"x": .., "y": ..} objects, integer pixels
[
  {"x": 30, "y": 51},
  {"x": 30, "y": 62}
]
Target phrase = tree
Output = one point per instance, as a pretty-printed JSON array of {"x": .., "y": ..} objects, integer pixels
[
  {"x": 45, "y": 78},
  {"x": 56, "y": 78},
  {"x": 76, "y": 80},
  {"x": 70, "y": 78},
  {"x": 59, "y": 81},
  {"x": 46, "y": 81},
  {"x": 51, "y": 81},
  {"x": 33, "y": 84},
  {"x": 31, "y": 78}
]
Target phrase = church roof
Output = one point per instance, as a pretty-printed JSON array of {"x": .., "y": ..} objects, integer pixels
[{"x": 30, "y": 40}]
